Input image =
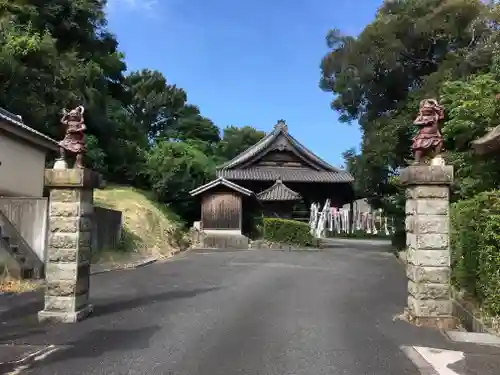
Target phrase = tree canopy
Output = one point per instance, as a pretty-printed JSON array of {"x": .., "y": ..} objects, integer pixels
[
  {"x": 412, "y": 50},
  {"x": 142, "y": 130}
]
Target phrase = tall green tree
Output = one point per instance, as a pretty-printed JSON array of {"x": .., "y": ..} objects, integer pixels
[
  {"x": 142, "y": 131},
  {"x": 236, "y": 140},
  {"x": 61, "y": 55},
  {"x": 174, "y": 169},
  {"x": 406, "y": 54}
]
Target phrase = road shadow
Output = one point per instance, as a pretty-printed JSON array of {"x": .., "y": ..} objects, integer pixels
[
  {"x": 474, "y": 363},
  {"x": 21, "y": 322},
  {"x": 22, "y": 305},
  {"x": 94, "y": 344},
  {"x": 105, "y": 307},
  {"x": 22, "y": 328},
  {"x": 19, "y": 316}
]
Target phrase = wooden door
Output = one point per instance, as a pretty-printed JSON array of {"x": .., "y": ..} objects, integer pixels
[{"x": 221, "y": 211}]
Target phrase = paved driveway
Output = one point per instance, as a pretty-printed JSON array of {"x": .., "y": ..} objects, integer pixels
[{"x": 227, "y": 313}]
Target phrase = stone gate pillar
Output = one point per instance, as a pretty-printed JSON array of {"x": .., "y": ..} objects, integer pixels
[
  {"x": 427, "y": 239},
  {"x": 67, "y": 268}
]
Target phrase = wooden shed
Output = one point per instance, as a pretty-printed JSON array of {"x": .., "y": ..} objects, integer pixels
[{"x": 222, "y": 205}]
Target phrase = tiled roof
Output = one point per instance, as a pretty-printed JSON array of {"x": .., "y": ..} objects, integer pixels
[
  {"x": 285, "y": 174},
  {"x": 221, "y": 181},
  {"x": 279, "y": 129},
  {"x": 18, "y": 122},
  {"x": 278, "y": 192}
]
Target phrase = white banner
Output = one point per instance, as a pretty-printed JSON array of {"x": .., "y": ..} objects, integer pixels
[{"x": 342, "y": 220}]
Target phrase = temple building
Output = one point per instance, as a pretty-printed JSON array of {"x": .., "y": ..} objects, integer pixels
[{"x": 269, "y": 179}]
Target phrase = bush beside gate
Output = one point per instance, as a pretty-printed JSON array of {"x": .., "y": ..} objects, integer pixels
[
  {"x": 287, "y": 231},
  {"x": 475, "y": 248}
]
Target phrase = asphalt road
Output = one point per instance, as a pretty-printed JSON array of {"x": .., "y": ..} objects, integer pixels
[{"x": 234, "y": 313}]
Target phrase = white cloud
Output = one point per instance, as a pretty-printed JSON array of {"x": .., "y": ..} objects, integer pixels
[{"x": 147, "y": 6}]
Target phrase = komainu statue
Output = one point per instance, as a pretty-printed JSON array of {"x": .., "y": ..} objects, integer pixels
[
  {"x": 74, "y": 140},
  {"x": 428, "y": 141}
]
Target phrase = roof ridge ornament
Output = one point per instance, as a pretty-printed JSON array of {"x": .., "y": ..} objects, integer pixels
[{"x": 281, "y": 125}]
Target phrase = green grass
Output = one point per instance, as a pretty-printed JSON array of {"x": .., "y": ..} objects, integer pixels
[{"x": 149, "y": 228}]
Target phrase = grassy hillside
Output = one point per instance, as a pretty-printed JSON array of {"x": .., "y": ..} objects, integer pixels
[{"x": 148, "y": 227}]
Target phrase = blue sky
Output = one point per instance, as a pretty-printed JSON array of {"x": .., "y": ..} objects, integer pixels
[{"x": 246, "y": 62}]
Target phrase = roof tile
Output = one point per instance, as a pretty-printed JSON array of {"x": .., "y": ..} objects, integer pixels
[
  {"x": 17, "y": 121},
  {"x": 285, "y": 174},
  {"x": 278, "y": 192},
  {"x": 279, "y": 129}
]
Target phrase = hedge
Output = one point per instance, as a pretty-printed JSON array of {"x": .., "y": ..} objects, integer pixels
[
  {"x": 475, "y": 248},
  {"x": 288, "y": 232}
]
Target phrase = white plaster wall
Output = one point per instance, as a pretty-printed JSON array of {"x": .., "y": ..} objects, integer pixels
[
  {"x": 21, "y": 169},
  {"x": 29, "y": 217}
]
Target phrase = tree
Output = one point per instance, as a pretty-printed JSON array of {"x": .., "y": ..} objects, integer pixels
[
  {"x": 126, "y": 149},
  {"x": 236, "y": 140},
  {"x": 142, "y": 130},
  {"x": 408, "y": 40},
  {"x": 154, "y": 104},
  {"x": 406, "y": 54},
  {"x": 473, "y": 109},
  {"x": 174, "y": 169},
  {"x": 61, "y": 56},
  {"x": 195, "y": 127}
]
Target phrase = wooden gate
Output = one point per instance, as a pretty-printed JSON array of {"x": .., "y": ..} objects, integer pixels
[{"x": 221, "y": 211}]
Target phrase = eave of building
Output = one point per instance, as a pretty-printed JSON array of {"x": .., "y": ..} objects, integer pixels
[
  {"x": 284, "y": 174},
  {"x": 13, "y": 124},
  {"x": 262, "y": 147},
  {"x": 279, "y": 192},
  {"x": 488, "y": 143},
  {"x": 221, "y": 182}
]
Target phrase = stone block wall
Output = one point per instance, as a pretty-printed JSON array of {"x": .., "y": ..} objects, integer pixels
[
  {"x": 107, "y": 229},
  {"x": 67, "y": 271},
  {"x": 427, "y": 236}
]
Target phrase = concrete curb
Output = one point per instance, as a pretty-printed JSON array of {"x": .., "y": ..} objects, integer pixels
[
  {"x": 104, "y": 269},
  {"x": 480, "y": 338},
  {"x": 142, "y": 263},
  {"x": 96, "y": 270},
  {"x": 400, "y": 260},
  {"x": 468, "y": 319},
  {"x": 378, "y": 242},
  {"x": 420, "y": 362}
]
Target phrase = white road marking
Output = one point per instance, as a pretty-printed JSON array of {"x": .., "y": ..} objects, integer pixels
[
  {"x": 440, "y": 359},
  {"x": 26, "y": 362},
  {"x": 18, "y": 370}
]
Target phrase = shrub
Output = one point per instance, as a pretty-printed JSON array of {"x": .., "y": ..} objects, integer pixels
[
  {"x": 289, "y": 232},
  {"x": 475, "y": 248}
]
